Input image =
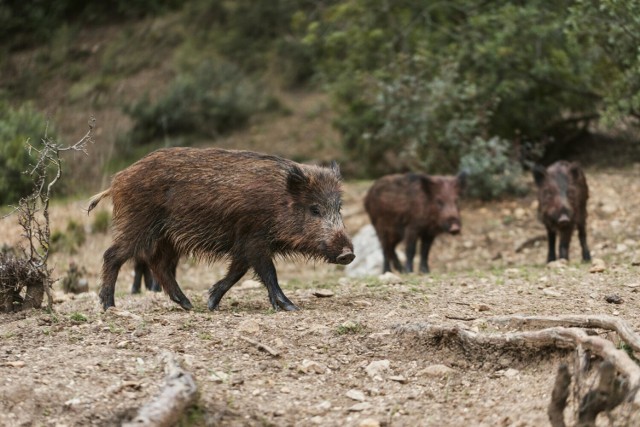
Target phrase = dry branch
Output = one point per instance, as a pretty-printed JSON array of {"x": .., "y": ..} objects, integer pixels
[
  {"x": 559, "y": 396},
  {"x": 558, "y": 337},
  {"x": 260, "y": 346},
  {"x": 178, "y": 393},
  {"x": 530, "y": 242}
]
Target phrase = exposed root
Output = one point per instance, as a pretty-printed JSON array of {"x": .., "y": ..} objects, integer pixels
[
  {"x": 260, "y": 346},
  {"x": 178, "y": 393}
]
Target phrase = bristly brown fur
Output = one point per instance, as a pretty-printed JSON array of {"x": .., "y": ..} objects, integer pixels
[
  {"x": 413, "y": 206},
  {"x": 214, "y": 203}
]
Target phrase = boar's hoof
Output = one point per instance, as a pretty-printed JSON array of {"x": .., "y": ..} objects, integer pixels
[
  {"x": 183, "y": 302},
  {"x": 287, "y": 306}
]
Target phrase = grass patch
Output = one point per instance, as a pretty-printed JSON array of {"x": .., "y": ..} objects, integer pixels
[
  {"x": 78, "y": 317},
  {"x": 350, "y": 327}
]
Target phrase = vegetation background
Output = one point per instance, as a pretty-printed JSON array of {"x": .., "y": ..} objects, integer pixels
[{"x": 489, "y": 87}]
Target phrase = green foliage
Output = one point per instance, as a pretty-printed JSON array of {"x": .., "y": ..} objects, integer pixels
[
  {"x": 78, "y": 317},
  {"x": 101, "y": 222},
  {"x": 492, "y": 172},
  {"x": 350, "y": 327},
  {"x": 214, "y": 99},
  {"x": 17, "y": 126},
  {"x": 69, "y": 241}
]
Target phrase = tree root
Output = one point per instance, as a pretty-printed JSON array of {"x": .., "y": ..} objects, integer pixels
[
  {"x": 178, "y": 393},
  {"x": 562, "y": 332}
]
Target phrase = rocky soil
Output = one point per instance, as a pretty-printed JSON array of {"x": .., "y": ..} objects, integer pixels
[{"x": 340, "y": 360}]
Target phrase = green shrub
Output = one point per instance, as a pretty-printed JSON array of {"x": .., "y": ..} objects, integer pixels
[
  {"x": 213, "y": 100},
  {"x": 70, "y": 240},
  {"x": 493, "y": 172},
  {"x": 17, "y": 126},
  {"x": 101, "y": 221}
]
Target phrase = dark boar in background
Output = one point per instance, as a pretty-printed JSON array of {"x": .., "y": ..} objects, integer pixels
[
  {"x": 213, "y": 203},
  {"x": 413, "y": 206},
  {"x": 562, "y": 205},
  {"x": 141, "y": 270}
]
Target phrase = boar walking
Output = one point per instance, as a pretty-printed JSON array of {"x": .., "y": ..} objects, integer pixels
[
  {"x": 562, "y": 205},
  {"x": 413, "y": 206},
  {"x": 213, "y": 203}
]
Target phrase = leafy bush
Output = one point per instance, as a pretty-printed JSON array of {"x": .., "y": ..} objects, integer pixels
[
  {"x": 17, "y": 125},
  {"x": 213, "y": 100},
  {"x": 70, "y": 240},
  {"x": 492, "y": 171},
  {"x": 101, "y": 221}
]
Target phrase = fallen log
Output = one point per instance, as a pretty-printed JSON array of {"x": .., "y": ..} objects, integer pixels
[{"x": 178, "y": 393}]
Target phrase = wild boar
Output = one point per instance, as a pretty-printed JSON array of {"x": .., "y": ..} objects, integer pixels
[
  {"x": 413, "y": 206},
  {"x": 141, "y": 270},
  {"x": 562, "y": 205},
  {"x": 213, "y": 203}
]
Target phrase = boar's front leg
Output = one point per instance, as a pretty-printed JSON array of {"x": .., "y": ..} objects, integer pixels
[
  {"x": 427, "y": 241},
  {"x": 582, "y": 235},
  {"x": 266, "y": 271},
  {"x": 237, "y": 269},
  {"x": 551, "y": 240},
  {"x": 163, "y": 266},
  {"x": 565, "y": 239}
]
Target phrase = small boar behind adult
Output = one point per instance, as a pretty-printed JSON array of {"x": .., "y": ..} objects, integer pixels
[
  {"x": 562, "y": 205},
  {"x": 413, "y": 206},
  {"x": 213, "y": 203}
]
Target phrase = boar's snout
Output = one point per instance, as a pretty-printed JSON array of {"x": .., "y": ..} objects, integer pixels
[
  {"x": 564, "y": 220},
  {"x": 453, "y": 226},
  {"x": 345, "y": 257}
]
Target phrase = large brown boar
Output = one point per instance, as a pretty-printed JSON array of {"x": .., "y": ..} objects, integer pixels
[
  {"x": 213, "y": 203},
  {"x": 413, "y": 206},
  {"x": 562, "y": 205}
]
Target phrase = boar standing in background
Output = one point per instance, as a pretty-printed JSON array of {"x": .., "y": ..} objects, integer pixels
[
  {"x": 413, "y": 206},
  {"x": 562, "y": 205},
  {"x": 140, "y": 271},
  {"x": 213, "y": 203}
]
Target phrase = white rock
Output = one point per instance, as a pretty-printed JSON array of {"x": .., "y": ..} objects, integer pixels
[
  {"x": 312, "y": 367},
  {"x": 377, "y": 367},
  {"x": 557, "y": 264},
  {"x": 511, "y": 373},
  {"x": 436, "y": 371},
  {"x": 356, "y": 395},
  {"x": 359, "y": 407},
  {"x": 219, "y": 377},
  {"x": 597, "y": 266},
  {"x": 368, "y": 252},
  {"x": 369, "y": 422},
  {"x": 550, "y": 292},
  {"x": 323, "y": 293}
]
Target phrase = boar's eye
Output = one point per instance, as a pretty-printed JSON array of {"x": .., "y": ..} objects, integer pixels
[
  {"x": 440, "y": 203},
  {"x": 315, "y": 210}
]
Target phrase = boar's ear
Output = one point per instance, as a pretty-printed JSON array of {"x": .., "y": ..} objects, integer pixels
[
  {"x": 575, "y": 170},
  {"x": 461, "y": 179},
  {"x": 335, "y": 168},
  {"x": 296, "y": 180},
  {"x": 539, "y": 174},
  {"x": 427, "y": 184}
]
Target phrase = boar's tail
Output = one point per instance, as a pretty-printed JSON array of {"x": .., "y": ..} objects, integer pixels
[{"x": 96, "y": 199}]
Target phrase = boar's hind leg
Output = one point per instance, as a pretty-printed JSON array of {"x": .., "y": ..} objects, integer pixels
[
  {"x": 582, "y": 235},
  {"x": 237, "y": 269},
  {"x": 410, "y": 250},
  {"x": 113, "y": 258},
  {"x": 163, "y": 266},
  {"x": 266, "y": 271},
  {"x": 427, "y": 241},
  {"x": 551, "y": 240}
]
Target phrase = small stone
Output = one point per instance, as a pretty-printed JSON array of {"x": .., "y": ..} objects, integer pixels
[
  {"x": 558, "y": 264},
  {"x": 481, "y": 307},
  {"x": 356, "y": 395},
  {"x": 398, "y": 378},
  {"x": 608, "y": 208},
  {"x": 389, "y": 278},
  {"x": 621, "y": 248},
  {"x": 237, "y": 380},
  {"x": 122, "y": 344},
  {"x": 635, "y": 262},
  {"x": 249, "y": 326},
  {"x": 16, "y": 364},
  {"x": 550, "y": 292},
  {"x": 511, "y": 272},
  {"x": 312, "y": 367},
  {"x": 362, "y": 303},
  {"x": 359, "y": 407},
  {"x": 511, "y": 373},
  {"x": 377, "y": 367},
  {"x": 317, "y": 420},
  {"x": 72, "y": 402},
  {"x": 322, "y": 407},
  {"x": 633, "y": 285},
  {"x": 369, "y": 422},
  {"x": 436, "y": 371},
  {"x": 279, "y": 413},
  {"x": 519, "y": 213},
  {"x": 219, "y": 377},
  {"x": 323, "y": 293},
  {"x": 597, "y": 266},
  {"x": 614, "y": 299},
  {"x": 468, "y": 244}
]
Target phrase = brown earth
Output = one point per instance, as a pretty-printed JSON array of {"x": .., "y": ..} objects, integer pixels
[{"x": 58, "y": 369}]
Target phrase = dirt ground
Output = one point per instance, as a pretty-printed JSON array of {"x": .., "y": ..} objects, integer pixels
[{"x": 80, "y": 366}]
